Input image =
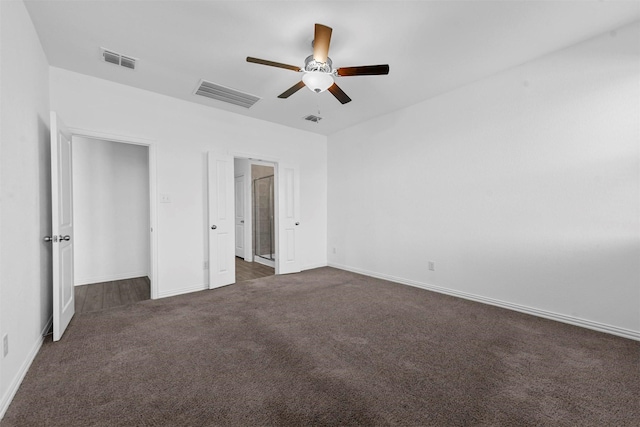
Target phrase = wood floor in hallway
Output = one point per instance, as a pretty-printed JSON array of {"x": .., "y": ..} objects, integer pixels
[
  {"x": 99, "y": 296},
  {"x": 251, "y": 270}
]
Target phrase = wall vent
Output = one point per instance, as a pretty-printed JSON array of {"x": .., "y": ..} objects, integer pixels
[
  {"x": 225, "y": 94},
  {"x": 312, "y": 118},
  {"x": 118, "y": 59}
]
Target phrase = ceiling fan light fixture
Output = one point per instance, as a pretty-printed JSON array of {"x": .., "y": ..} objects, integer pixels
[
  {"x": 317, "y": 81},
  {"x": 318, "y": 68}
]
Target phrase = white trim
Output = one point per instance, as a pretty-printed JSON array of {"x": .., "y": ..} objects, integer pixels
[
  {"x": 182, "y": 291},
  {"x": 153, "y": 180},
  {"x": 312, "y": 266},
  {"x": 253, "y": 157},
  {"x": 110, "y": 136},
  {"x": 47, "y": 327},
  {"x": 24, "y": 368},
  {"x": 576, "y": 321},
  {"x": 110, "y": 277},
  {"x": 267, "y": 262},
  {"x": 153, "y": 221},
  {"x": 261, "y": 163}
]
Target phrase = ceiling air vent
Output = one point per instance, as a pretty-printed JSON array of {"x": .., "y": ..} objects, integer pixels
[
  {"x": 312, "y": 118},
  {"x": 117, "y": 59},
  {"x": 225, "y": 94}
]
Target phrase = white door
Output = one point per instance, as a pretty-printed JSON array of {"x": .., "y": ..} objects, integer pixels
[
  {"x": 62, "y": 226},
  {"x": 222, "y": 267},
  {"x": 288, "y": 220},
  {"x": 239, "y": 215}
]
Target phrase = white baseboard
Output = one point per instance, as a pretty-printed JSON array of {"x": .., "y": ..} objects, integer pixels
[
  {"x": 576, "y": 321},
  {"x": 267, "y": 262},
  {"x": 312, "y": 266},
  {"x": 48, "y": 327},
  {"x": 17, "y": 380},
  {"x": 109, "y": 277},
  {"x": 181, "y": 291}
]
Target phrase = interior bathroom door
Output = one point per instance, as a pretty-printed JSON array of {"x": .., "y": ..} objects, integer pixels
[
  {"x": 288, "y": 214},
  {"x": 222, "y": 267}
]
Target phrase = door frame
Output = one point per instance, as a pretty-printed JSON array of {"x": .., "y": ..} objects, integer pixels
[
  {"x": 153, "y": 231},
  {"x": 243, "y": 180},
  {"x": 260, "y": 159},
  {"x": 273, "y": 165}
]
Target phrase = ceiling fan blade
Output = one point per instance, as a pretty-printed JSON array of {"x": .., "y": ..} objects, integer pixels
[
  {"x": 273, "y": 64},
  {"x": 293, "y": 89},
  {"x": 339, "y": 94},
  {"x": 321, "y": 41},
  {"x": 364, "y": 70}
]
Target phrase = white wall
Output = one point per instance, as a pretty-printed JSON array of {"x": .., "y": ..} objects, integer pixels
[
  {"x": 522, "y": 188},
  {"x": 25, "y": 196},
  {"x": 183, "y": 133},
  {"x": 111, "y": 210}
]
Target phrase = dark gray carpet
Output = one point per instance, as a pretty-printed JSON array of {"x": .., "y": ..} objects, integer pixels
[{"x": 327, "y": 347}]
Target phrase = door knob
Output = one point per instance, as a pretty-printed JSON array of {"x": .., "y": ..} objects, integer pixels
[
  {"x": 297, "y": 223},
  {"x": 67, "y": 237},
  {"x": 242, "y": 221},
  {"x": 213, "y": 227},
  {"x": 48, "y": 239}
]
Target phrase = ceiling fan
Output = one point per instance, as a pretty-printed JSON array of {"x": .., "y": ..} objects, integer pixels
[{"x": 318, "y": 68}]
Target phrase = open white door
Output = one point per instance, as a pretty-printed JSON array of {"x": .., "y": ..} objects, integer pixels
[
  {"x": 287, "y": 252},
  {"x": 62, "y": 227},
  {"x": 222, "y": 267}
]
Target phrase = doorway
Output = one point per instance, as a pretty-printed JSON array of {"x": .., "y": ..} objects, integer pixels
[
  {"x": 263, "y": 208},
  {"x": 254, "y": 194},
  {"x": 112, "y": 222},
  {"x": 221, "y": 171},
  {"x": 63, "y": 234}
]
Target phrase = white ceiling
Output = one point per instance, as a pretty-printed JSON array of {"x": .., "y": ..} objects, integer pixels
[{"x": 431, "y": 46}]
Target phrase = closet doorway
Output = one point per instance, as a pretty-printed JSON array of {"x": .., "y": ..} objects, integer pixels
[{"x": 111, "y": 211}]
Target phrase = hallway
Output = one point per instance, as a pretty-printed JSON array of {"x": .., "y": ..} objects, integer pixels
[{"x": 100, "y": 296}]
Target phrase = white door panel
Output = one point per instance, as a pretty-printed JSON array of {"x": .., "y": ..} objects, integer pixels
[
  {"x": 62, "y": 227},
  {"x": 287, "y": 260},
  {"x": 222, "y": 268}
]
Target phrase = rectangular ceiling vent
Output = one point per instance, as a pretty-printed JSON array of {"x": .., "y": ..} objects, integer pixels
[
  {"x": 312, "y": 118},
  {"x": 118, "y": 59},
  {"x": 225, "y": 94}
]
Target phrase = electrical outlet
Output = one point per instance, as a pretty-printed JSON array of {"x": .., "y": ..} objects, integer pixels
[
  {"x": 206, "y": 265},
  {"x": 165, "y": 198},
  {"x": 334, "y": 250},
  {"x": 5, "y": 345},
  {"x": 432, "y": 266}
]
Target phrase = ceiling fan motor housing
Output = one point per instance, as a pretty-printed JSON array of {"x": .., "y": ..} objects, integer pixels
[{"x": 311, "y": 64}]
